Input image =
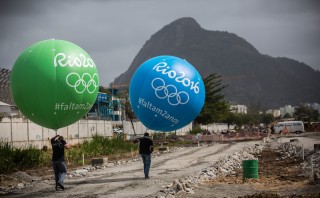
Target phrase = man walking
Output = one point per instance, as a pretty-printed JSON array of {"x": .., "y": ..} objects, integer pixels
[
  {"x": 58, "y": 162},
  {"x": 145, "y": 150}
]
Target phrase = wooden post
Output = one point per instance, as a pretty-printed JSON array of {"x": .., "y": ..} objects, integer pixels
[{"x": 82, "y": 159}]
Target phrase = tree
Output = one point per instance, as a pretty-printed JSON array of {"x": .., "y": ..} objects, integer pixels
[
  {"x": 103, "y": 90},
  {"x": 266, "y": 118},
  {"x": 125, "y": 103},
  {"x": 287, "y": 115},
  {"x": 238, "y": 120},
  {"x": 230, "y": 119},
  {"x": 129, "y": 112},
  {"x": 306, "y": 113},
  {"x": 253, "y": 115},
  {"x": 215, "y": 108}
]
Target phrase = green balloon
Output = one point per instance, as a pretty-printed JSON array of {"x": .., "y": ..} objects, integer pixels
[{"x": 54, "y": 83}]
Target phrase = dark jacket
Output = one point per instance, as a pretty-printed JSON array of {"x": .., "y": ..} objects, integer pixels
[
  {"x": 58, "y": 149},
  {"x": 145, "y": 145}
]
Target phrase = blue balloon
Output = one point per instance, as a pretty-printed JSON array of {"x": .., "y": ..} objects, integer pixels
[{"x": 166, "y": 93}]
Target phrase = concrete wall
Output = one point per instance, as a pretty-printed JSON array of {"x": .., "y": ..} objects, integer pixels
[{"x": 22, "y": 132}]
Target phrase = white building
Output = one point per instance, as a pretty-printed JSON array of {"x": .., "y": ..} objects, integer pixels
[
  {"x": 239, "y": 109},
  {"x": 274, "y": 112},
  {"x": 287, "y": 109},
  {"x": 4, "y": 108},
  {"x": 8, "y": 110}
]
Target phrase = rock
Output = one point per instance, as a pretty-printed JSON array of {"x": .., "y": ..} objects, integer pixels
[
  {"x": 81, "y": 172},
  {"x": 188, "y": 185},
  {"x": 110, "y": 164},
  {"x": 179, "y": 187},
  {"x": 20, "y": 185},
  {"x": 22, "y": 176},
  {"x": 163, "y": 149}
]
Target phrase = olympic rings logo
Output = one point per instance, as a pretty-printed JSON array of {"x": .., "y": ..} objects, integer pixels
[
  {"x": 170, "y": 92},
  {"x": 83, "y": 83}
]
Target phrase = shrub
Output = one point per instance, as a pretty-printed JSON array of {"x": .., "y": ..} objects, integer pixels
[
  {"x": 13, "y": 159},
  {"x": 196, "y": 130}
]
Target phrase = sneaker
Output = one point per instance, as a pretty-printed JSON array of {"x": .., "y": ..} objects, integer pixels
[{"x": 147, "y": 177}]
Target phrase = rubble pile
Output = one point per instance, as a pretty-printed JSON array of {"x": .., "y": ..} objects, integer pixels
[
  {"x": 311, "y": 166},
  {"x": 18, "y": 180},
  {"x": 228, "y": 165},
  {"x": 225, "y": 166},
  {"x": 24, "y": 176},
  {"x": 315, "y": 161},
  {"x": 311, "y": 158},
  {"x": 290, "y": 149}
]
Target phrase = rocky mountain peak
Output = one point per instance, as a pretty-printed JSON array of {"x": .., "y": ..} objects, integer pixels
[{"x": 252, "y": 78}]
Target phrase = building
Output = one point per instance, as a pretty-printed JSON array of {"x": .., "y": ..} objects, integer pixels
[
  {"x": 274, "y": 112},
  {"x": 8, "y": 110},
  {"x": 118, "y": 111},
  {"x": 101, "y": 108},
  {"x": 5, "y": 94},
  {"x": 242, "y": 109},
  {"x": 287, "y": 109},
  {"x": 106, "y": 107},
  {"x": 4, "y": 108}
]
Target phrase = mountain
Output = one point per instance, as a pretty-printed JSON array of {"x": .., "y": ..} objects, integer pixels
[{"x": 252, "y": 78}]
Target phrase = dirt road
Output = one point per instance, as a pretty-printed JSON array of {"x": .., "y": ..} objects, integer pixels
[{"x": 127, "y": 180}]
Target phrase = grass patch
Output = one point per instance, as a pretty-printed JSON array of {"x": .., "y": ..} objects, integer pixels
[
  {"x": 14, "y": 159},
  {"x": 100, "y": 146}
]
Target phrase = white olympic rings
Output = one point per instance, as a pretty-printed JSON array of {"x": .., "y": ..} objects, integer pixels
[
  {"x": 162, "y": 92},
  {"x": 83, "y": 83}
]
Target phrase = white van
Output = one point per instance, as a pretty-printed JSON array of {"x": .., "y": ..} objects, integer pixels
[{"x": 291, "y": 126}]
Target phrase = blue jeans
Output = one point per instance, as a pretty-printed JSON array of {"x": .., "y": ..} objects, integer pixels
[
  {"x": 60, "y": 171},
  {"x": 146, "y": 163}
]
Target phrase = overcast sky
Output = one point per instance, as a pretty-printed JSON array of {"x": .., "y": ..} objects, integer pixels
[{"x": 113, "y": 31}]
